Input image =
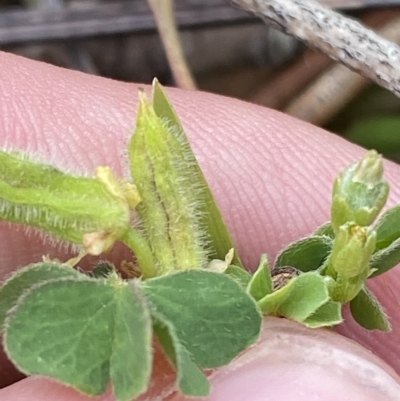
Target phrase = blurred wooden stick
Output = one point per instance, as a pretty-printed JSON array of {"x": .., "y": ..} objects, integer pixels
[
  {"x": 163, "y": 11},
  {"x": 293, "y": 80},
  {"x": 341, "y": 38},
  {"x": 335, "y": 88}
]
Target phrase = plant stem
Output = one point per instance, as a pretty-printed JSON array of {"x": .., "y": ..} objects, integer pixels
[
  {"x": 164, "y": 14},
  {"x": 140, "y": 247}
]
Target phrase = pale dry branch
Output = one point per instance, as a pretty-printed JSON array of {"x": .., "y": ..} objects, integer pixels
[
  {"x": 335, "y": 88},
  {"x": 341, "y": 38}
]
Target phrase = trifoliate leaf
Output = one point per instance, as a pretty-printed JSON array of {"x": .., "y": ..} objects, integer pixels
[
  {"x": 23, "y": 279},
  {"x": 368, "y": 312},
  {"x": 325, "y": 230},
  {"x": 388, "y": 228},
  {"x": 329, "y": 314},
  {"x": 210, "y": 216},
  {"x": 81, "y": 332},
  {"x": 307, "y": 254},
  {"x": 190, "y": 379},
  {"x": 298, "y": 299},
  {"x": 211, "y": 314},
  {"x": 385, "y": 259},
  {"x": 240, "y": 275},
  {"x": 260, "y": 284}
]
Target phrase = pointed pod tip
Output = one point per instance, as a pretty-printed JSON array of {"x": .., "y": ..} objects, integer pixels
[
  {"x": 370, "y": 169},
  {"x": 142, "y": 96}
]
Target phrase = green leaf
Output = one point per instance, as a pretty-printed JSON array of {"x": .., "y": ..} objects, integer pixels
[
  {"x": 298, "y": 299},
  {"x": 260, "y": 284},
  {"x": 329, "y": 314},
  {"x": 23, "y": 279},
  {"x": 131, "y": 358},
  {"x": 325, "y": 230},
  {"x": 63, "y": 329},
  {"x": 211, "y": 217},
  {"x": 191, "y": 380},
  {"x": 81, "y": 331},
  {"x": 385, "y": 259},
  {"x": 368, "y": 312},
  {"x": 240, "y": 275},
  {"x": 69, "y": 207},
  {"x": 211, "y": 314},
  {"x": 307, "y": 254},
  {"x": 388, "y": 228}
]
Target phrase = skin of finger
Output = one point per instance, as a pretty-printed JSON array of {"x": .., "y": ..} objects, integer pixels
[
  {"x": 271, "y": 174},
  {"x": 294, "y": 363}
]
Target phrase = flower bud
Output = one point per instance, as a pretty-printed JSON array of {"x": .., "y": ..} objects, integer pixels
[
  {"x": 352, "y": 250},
  {"x": 359, "y": 192}
]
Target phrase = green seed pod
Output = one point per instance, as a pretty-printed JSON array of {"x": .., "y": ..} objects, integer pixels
[
  {"x": 169, "y": 211},
  {"x": 89, "y": 211},
  {"x": 359, "y": 192}
]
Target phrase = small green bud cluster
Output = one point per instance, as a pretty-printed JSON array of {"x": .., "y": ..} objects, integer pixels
[{"x": 359, "y": 194}]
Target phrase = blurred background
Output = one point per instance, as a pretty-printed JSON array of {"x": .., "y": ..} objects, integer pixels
[{"x": 215, "y": 47}]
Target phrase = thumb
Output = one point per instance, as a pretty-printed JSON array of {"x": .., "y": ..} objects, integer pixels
[{"x": 293, "y": 363}]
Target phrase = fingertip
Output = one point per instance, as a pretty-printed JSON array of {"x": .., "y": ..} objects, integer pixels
[{"x": 293, "y": 363}]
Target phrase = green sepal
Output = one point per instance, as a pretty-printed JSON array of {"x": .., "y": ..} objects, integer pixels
[
  {"x": 210, "y": 216},
  {"x": 66, "y": 206},
  {"x": 385, "y": 259},
  {"x": 240, "y": 275},
  {"x": 326, "y": 230},
  {"x": 299, "y": 299},
  {"x": 21, "y": 281},
  {"x": 388, "y": 228},
  {"x": 327, "y": 315},
  {"x": 83, "y": 332},
  {"x": 191, "y": 380},
  {"x": 260, "y": 283},
  {"x": 211, "y": 314},
  {"x": 368, "y": 312},
  {"x": 307, "y": 254}
]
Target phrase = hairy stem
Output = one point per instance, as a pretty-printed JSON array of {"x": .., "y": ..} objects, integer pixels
[{"x": 140, "y": 247}]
